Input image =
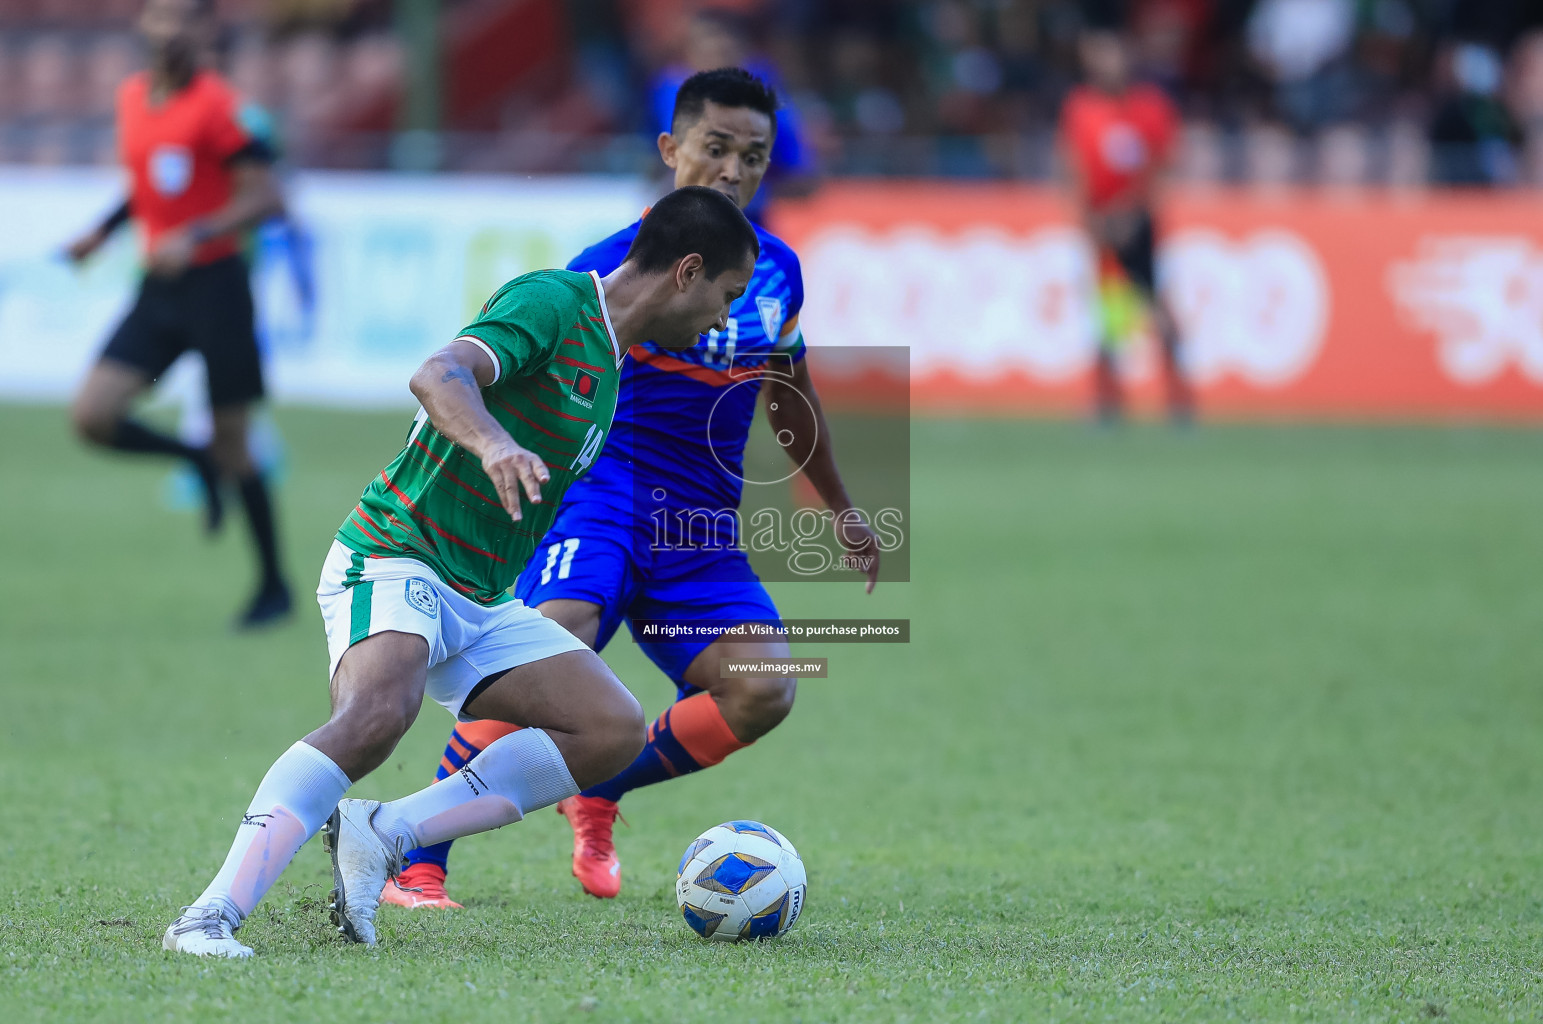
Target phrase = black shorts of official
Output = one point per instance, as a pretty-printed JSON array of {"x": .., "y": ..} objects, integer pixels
[
  {"x": 207, "y": 309},
  {"x": 1138, "y": 256}
]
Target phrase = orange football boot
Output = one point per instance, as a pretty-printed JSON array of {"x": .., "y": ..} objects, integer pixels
[
  {"x": 594, "y": 854},
  {"x": 419, "y": 887}
]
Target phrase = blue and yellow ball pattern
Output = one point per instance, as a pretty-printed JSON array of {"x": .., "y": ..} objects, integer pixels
[{"x": 740, "y": 880}]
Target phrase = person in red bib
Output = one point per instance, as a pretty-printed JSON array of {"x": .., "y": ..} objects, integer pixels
[
  {"x": 197, "y": 181},
  {"x": 1117, "y": 139}
]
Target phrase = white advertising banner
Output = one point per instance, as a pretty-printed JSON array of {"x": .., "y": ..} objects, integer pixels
[{"x": 371, "y": 273}]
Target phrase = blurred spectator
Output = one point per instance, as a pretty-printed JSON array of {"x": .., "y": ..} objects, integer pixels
[
  {"x": 1272, "y": 90},
  {"x": 1525, "y": 99},
  {"x": 1301, "y": 46},
  {"x": 1474, "y": 139},
  {"x": 1171, "y": 41}
]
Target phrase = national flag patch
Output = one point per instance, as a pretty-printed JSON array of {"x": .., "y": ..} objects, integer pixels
[
  {"x": 771, "y": 316},
  {"x": 585, "y": 386}
]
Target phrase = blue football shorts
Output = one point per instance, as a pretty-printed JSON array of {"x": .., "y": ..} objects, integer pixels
[{"x": 588, "y": 556}]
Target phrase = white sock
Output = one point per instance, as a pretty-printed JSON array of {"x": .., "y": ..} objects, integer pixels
[
  {"x": 513, "y": 776},
  {"x": 292, "y": 803}
]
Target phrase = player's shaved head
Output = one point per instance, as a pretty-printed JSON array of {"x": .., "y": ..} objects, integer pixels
[
  {"x": 696, "y": 220},
  {"x": 727, "y": 87}
]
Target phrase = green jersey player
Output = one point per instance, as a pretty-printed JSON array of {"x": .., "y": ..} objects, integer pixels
[
  {"x": 413, "y": 593},
  {"x": 553, "y": 391}
]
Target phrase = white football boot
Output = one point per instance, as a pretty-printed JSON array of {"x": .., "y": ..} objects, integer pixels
[
  {"x": 362, "y": 862},
  {"x": 204, "y": 931}
]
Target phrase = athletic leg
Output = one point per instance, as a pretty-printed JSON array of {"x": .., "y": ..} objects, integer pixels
[
  {"x": 100, "y": 415},
  {"x": 1108, "y": 399},
  {"x": 144, "y": 345},
  {"x": 422, "y": 884},
  {"x": 713, "y": 718},
  {"x": 1140, "y": 261},
  {"x": 581, "y": 577},
  {"x": 222, "y": 326},
  {"x": 376, "y": 693},
  {"x": 231, "y": 447},
  {"x": 580, "y": 725},
  {"x": 1181, "y": 396}
]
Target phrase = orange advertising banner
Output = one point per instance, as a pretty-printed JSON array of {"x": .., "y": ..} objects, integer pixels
[{"x": 1296, "y": 303}]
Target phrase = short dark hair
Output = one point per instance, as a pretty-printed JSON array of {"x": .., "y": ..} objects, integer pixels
[
  {"x": 727, "y": 87},
  {"x": 694, "y": 219}
]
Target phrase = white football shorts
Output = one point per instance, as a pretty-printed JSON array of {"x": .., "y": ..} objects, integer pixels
[{"x": 468, "y": 642}]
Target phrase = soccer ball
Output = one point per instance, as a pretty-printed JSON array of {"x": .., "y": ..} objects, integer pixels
[{"x": 740, "y": 880}]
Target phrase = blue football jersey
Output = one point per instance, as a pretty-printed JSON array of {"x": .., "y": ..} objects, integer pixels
[{"x": 683, "y": 417}]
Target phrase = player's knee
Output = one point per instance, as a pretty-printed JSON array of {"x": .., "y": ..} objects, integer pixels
[
  {"x": 92, "y": 423},
  {"x": 619, "y": 732},
  {"x": 581, "y": 618},
  {"x": 377, "y": 727},
  {"x": 231, "y": 455},
  {"x": 761, "y": 705}
]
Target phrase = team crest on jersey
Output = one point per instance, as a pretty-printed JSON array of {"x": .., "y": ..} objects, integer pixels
[
  {"x": 171, "y": 170},
  {"x": 422, "y": 597},
  {"x": 771, "y": 315},
  {"x": 585, "y": 386}
]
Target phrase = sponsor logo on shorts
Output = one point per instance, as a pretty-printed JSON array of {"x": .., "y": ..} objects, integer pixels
[
  {"x": 585, "y": 386},
  {"x": 422, "y": 597}
]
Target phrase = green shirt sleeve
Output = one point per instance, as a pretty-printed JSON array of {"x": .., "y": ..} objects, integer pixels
[{"x": 522, "y": 325}]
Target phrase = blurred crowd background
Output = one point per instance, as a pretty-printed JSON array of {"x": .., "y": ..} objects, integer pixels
[{"x": 1334, "y": 92}]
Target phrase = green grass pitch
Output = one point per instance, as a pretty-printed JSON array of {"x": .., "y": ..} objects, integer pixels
[{"x": 1240, "y": 723}]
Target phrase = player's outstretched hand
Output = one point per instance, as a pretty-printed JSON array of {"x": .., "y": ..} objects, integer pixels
[
  {"x": 80, "y": 249},
  {"x": 855, "y": 535},
  {"x": 511, "y": 467}
]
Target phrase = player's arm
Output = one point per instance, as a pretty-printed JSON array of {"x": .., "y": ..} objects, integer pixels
[
  {"x": 449, "y": 384},
  {"x": 255, "y": 196},
  {"x": 1164, "y": 158},
  {"x": 793, "y": 405},
  {"x": 1074, "y": 180},
  {"x": 94, "y": 239}
]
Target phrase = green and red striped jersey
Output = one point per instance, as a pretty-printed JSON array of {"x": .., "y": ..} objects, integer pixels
[{"x": 556, "y": 359}]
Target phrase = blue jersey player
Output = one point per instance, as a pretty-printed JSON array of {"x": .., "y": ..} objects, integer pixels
[{"x": 676, "y": 446}]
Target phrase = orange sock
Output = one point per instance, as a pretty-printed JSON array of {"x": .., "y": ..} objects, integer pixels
[
  {"x": 689, "y": 736},
  {"x": 699, "y": 727},
  {"x": 467, "y": 741}
]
